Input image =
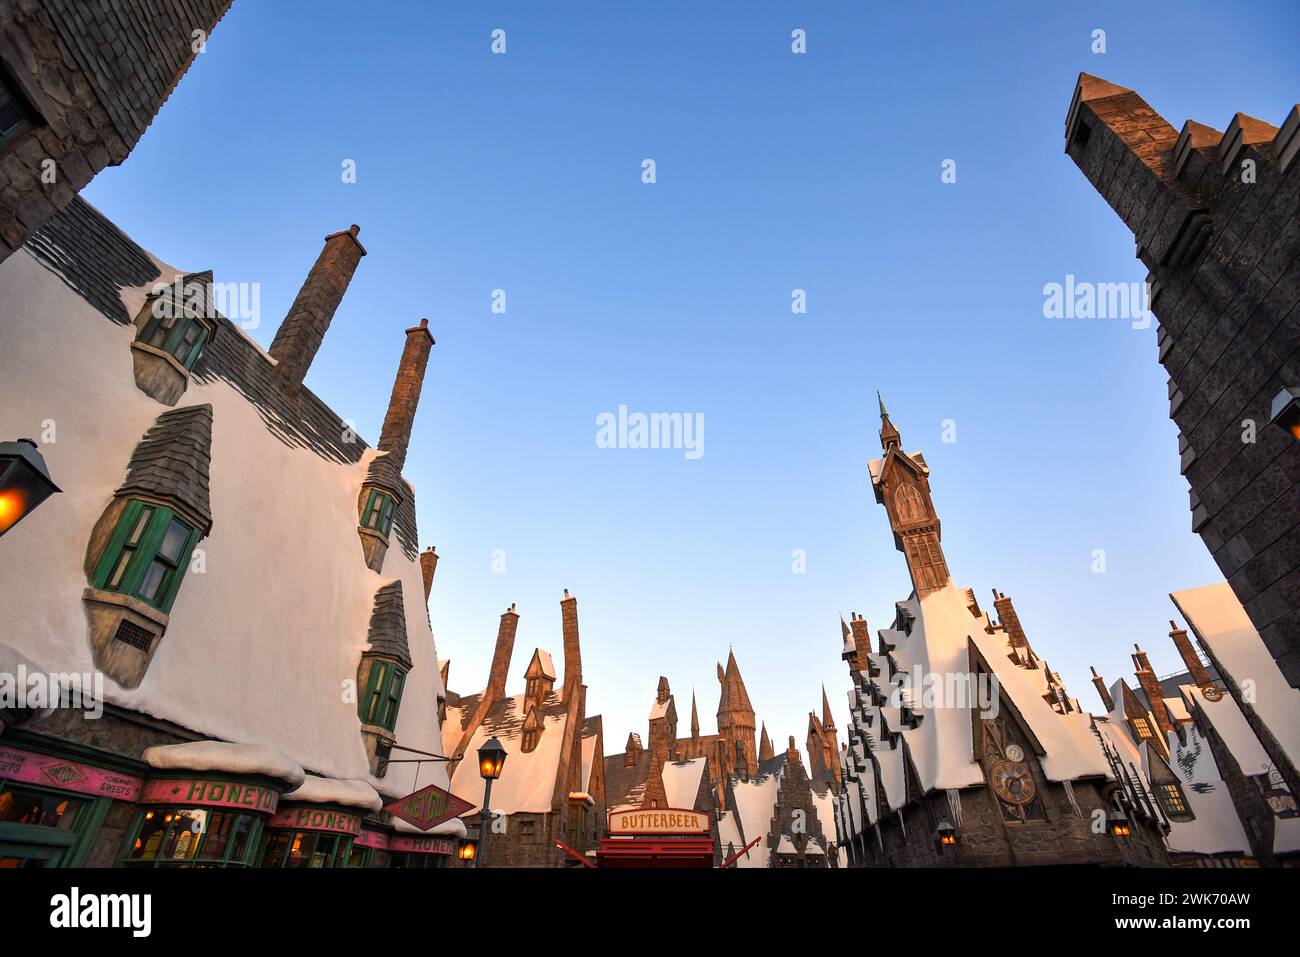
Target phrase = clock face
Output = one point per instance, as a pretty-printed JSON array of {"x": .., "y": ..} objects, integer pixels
[
  {"x": 1212, "y": 693},
  {"x": 1014, "y": 753},
  {"x": 1012, "y": 782}
]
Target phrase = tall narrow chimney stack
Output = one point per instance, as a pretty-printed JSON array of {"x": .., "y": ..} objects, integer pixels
[
  {"x": 1190, "y": 657},
  {"x": 428, "y": 565},
  {"x": 300, "y": 334},
  {"x": 396, "y": 435},
  {"x": 1103, "y": 691},
  {"x": 572, "y": 650},
  {"x": 496, "y": 686}
]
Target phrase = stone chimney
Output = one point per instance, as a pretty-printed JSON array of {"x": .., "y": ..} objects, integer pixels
[
  {"x": 428, "y": 565},
  {"x": 1102, "y": 690},
  {"x": 396, "y": 434},
  {"x": 1155, "y": 697},
  {"x": 496, "y": 684},
  {"x": 572, "y": 650},
  {"x": 1190, "y": 658},
  {"x": 300, "y": 334}
]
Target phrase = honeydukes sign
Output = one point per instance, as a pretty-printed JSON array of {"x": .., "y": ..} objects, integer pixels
[
  {"x": 658, "y": 820},
  {"x": 428, "y": 807}
]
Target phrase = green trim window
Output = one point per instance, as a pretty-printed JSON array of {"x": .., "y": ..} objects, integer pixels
[
  {"x": 170, "y": 330},
  {"x": 378, "y": 513},
  {"x": 44, "y": 827},
  {"x": 313, "y": 849},
  {"x": 360, "y": 856},
  {"x": 407, "y": 861},
  {"x": 383, "y": 697},
  {"x": 192, "y": 837},
  {"x": 147, "y": 554},
  {"x": 14, "y": 119}
]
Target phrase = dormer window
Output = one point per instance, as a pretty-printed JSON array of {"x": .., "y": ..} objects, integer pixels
[
  {"x": 147, "y": 554},
  {"x": 174, "y": 326},
  {"x": 532, "y": 731},
  {"x": 1142, "y": 728},
  {"x": 383, "y": 697},
  {"x": 378, "y": 513}
]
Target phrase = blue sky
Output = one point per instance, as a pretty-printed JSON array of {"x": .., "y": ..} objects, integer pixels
[{"x": 775, "y": 171}]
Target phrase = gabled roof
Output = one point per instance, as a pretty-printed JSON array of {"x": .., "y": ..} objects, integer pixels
[
  {"x": 734, "y": 696},
  {"x": 540, "y": 664}
]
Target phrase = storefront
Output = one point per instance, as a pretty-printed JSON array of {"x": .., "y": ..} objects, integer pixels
[
  {"x": 411, "y": 851},
  {"x": 53, "y": 805},
  {"x": 311, "y": 835},
  {"x": 657, "y": 837},
  {"x": 200, "y": 822}
]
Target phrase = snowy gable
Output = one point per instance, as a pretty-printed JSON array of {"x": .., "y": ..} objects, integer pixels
[
  {"x": 527, "y": 782},
  {"x": 1221, "y": 624},
  {"x": 682, "y": 781}
]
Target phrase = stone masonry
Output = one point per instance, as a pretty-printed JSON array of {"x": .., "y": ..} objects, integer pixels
[
  {"x": 89, "y": 76},
  {"x": 1216, "y": 217}
]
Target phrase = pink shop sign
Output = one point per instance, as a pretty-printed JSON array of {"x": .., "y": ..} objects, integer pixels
[
  {"x": 421, "y": 845},
  {"x": 372, "y": 839},
  {"x": 51, "y": 772},
  {"x": 196, "y": 792},
  {"x": 310, "y": 818}
]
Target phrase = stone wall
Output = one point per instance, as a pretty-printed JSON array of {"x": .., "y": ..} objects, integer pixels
[
  {"x": 90, "y": 76},
  {"x": 1217, "y": 223}
]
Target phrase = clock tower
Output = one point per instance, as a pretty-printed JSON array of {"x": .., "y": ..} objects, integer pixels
[{"x": 902, "y": 484}]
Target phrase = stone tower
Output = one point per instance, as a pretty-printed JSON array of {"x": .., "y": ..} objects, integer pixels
[
  {"x": 736, "y": 719},
  {"x": 1215, "y": 217},
  {"x": 902, "y": 484}
]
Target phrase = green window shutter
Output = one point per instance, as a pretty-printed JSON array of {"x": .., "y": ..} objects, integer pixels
[
  {"x": 147, "y": 554},
  {"x": 368, "y": 706},
  {"x": 386, "y": 521},
  {"x": 393, "y": 699}
]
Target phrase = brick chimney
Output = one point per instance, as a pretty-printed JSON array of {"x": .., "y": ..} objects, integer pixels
[
  {"x": 1009, "y": 620},
  {"x": 861, "y": 641},
  {"x": 1102, "y": 690},
  {"x": 428, "y": 565},
  {"x": 1155, "y": 697},
  {"x": 496, "y": 685},
  {"x": 300, "y": 334},
  {"x": 396, "y": 434},
  {"x": 1190, "y": 658},
  {"x": 572, "y": 650}
]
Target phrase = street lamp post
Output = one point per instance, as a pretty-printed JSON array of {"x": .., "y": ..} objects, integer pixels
[
  {"x": 491, "y": 759},
  {"x": 24, "y": 482}
]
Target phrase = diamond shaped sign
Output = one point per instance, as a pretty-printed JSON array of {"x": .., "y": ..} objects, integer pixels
[{"x": 428, "y": 807}]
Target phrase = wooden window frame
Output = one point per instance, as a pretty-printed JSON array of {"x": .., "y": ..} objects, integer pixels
[
  {"x": 250, "y": 856},
  {"x": 382, "y": 701},
  {"x": 174, "y": 335},
  {"x": 139, "y": 543},
  {"x": 378, "y": 513},
  {"x": 9, "y": 95}
]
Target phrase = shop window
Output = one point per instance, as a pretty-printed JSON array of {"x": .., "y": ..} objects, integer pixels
[
  {"x": 14, "y": 117},
  {"x": 192, "y": 837},
  {"x": 383, "y": 697},
  {"x": 407, "y": 861},
  {"x": 19, "y": 805},
  {"x": 378, "y": 513},
  {"x": 360, "y": 856},
  {"x": 147, "y": 554},
  {"x": 311, "y": 849}
]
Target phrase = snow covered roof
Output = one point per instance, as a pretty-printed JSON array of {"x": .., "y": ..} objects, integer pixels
[
  {"x": 284, "y": 477},
  {"x": 1222, "y": 625},
  {"x": 230, "y": 758},
  {"x": 752, "y": 803},
  {"x": 527, "y": 782},
  {"x": 660, "y": 708},
  {"x": 682, "y": 781},
  {"x": 786, "y": 846},
  {"x": 350, "y": 793}
]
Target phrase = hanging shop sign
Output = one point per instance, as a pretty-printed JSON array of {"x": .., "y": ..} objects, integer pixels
[
  {"x": 29, "y": 768},
  {"x": 211, "y": 792},
  {"x": 658, "y": 821},
  {"x": 428, "y": 807},
  {"x": 312, "y": 818}
]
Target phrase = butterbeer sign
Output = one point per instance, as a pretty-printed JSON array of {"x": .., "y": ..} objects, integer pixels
[
  {"x": 658, "y": 821},
  {"x": 428, "y": 807}
]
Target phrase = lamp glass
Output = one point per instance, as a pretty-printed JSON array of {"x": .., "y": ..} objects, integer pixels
[{"x": 22, "y": 487}]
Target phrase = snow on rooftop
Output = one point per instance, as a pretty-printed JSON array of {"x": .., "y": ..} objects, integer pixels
[
  {"x": 682, "y": 781},
  {"x": 753, "y": 803},
  {"x": 350, "y": 793},
  {"x": 1230, "y": 725},
  {"x": 527, "y": 781},
  {"x": 1220, "y": 622},
  {"x": 222, "y": 756}
]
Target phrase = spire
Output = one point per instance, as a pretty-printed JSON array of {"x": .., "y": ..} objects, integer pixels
[
  {"x": 764, "y": 746},
  {"x": 828, "y": 722},
  {"x": 889, "y": 437},
  {"x": 734, "y": 695},
  {"x": 844, "y": 627},
  {"x": 695, "y": 717}
]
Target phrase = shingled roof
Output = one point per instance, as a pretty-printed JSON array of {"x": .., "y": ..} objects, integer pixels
[
  {"x": 388, "y": 625},
  {"x": 172, "y": 460}
]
